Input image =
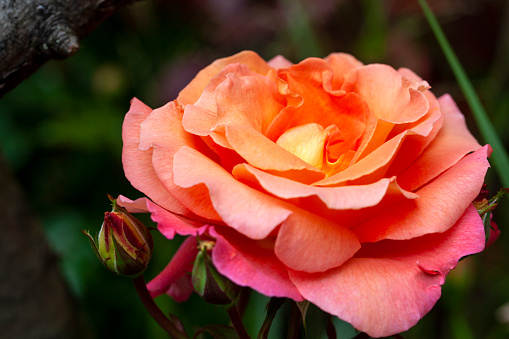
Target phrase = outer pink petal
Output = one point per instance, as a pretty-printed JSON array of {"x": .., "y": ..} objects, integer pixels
[
  {"x": 176, "y": 269},
  {"x": 181, "y": 289},
  {"x": 191, "y": 93},
  {"x": 136, "y": 206},
  {"x": 138, "y": 164},
  {"x": 168, "y": 223},
  {"x": 162, "y": 132},
  {"x": 250, "y": 212},
  {"x": 396, "y": 282},
  {"x": 309, "y": 243},
  {"x": 441, "y": 203},
  {"x": 252, "y": 263},
  {"x": 451, "y": 144}
]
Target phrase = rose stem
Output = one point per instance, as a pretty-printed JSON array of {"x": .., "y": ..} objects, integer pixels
[
  {"x": 237, "y": 322},
  {"x": 154, "y": 310},
  {"x": 294, "y": 323},
  {"x": 330, "y": 329}
]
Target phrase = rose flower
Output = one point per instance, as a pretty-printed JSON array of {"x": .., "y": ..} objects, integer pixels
[{"x": 344, "y": 184}]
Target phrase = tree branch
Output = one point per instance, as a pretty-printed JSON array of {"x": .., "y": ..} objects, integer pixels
[{"x": 35, "y": 31}]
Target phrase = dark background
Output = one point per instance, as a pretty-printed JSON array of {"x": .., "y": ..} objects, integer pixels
[{"x": 60, "y": 131}]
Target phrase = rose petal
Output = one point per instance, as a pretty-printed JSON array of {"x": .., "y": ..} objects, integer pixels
[
  {"x": 168, "y": 223},
  {"x": 138, "y": 164},
  {"x": 191, "y": 93},
  {"x": 181, "y": 289},
  {"x": 162, "y": 132},
  {"x": 451, "y": 144},
  {"x": 267, "y": 155},
  {"x": 250, "y": 212},
  {"x": 247, "y": 100},
  {"x": 175, "y": 270},
  {"x": 279, "y": 61},
  {"x": 389, "y": 292},
  {"x": 338, "y": 198},
  {"x": 133, "y": 206},
  {"x": 441, "y": 203},
  {"x": 389, "y": 97},
  {"x": 200, "y": 117},
  {"x": 341, "y": 64},
  {"x": 308, "y": 102},
  {"x": 253, "y": 264},
  {"x": 307, "y": 142},
  {"x": 309, "y": 243},
  {"x": 375, "y": 165}
]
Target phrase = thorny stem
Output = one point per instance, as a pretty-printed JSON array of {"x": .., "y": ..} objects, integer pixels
[
  {"x": 155, "y": 311},
  {"x": 237, "y": 322}
]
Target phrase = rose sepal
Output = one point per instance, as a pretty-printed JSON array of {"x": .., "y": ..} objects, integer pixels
[{"x": 213, "y": 287}]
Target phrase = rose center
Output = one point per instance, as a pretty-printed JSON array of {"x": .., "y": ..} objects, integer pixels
[{"x": 306, "y": 142}]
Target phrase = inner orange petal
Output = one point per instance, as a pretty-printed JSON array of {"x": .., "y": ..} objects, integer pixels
[{"x": 306, "y": 142}]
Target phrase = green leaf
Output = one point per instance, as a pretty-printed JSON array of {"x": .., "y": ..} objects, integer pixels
[{"x": 499, "y": 158}]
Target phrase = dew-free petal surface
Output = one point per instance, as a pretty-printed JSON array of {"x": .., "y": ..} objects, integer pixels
[
  {"x": 191, "y": 93},
  {"x": 451, "y": 144},
  {"x": 375, "y": 165},
  {"x": 341, "y": 64},
  {"x": 338, "y": 198},
  {"x": 267, "y": 155},
  {"x": 250, "y": 212},
  {"x": 253, "y": 264},
  {"x": 176, "y": 269},
  {"x": 138, "y": 163},
  {"x": 390, "y": 286},
  {"x": 386, "y": 94},
  {"x": 309, "y": 243},
  {"x": 163, "y": 133},
  {"x": 440, "y": 203}
]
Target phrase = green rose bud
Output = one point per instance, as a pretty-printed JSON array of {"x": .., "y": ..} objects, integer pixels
[
  {"x": 124, "y": 245},
  {"x": 209, "y": 283}
]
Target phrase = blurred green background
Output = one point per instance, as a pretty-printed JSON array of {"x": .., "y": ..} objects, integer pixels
[{"x": 60, "y": 131}]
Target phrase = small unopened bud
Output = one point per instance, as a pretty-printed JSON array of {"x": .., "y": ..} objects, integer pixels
[
  {"x": 484, "y": 207},
  {"x": 209, "y": 283},
  {"x": 124, "y": 245}
]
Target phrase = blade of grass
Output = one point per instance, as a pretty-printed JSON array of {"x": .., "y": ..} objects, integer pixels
[{"x": 499, "y": 158}]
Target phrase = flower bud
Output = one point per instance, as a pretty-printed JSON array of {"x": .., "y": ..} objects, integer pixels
[
  {"x": 124, "y": 245},
  {"x": 209, "y": 283}
]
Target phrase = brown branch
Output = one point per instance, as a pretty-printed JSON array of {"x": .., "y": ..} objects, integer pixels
[
  {"x": 35, "y": 31},
  {"x": 34, "y": 299}
]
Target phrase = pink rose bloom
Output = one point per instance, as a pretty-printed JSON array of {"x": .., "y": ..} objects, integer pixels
[{"x": 344, "y": 184}]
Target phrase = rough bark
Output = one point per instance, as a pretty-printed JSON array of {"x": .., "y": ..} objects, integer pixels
[
  {"x": 34, "y": 31},
  {"x": 34, "y": 299}
]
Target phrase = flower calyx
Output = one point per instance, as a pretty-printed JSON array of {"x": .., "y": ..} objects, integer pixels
[{"x": 213, "y": 287}]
